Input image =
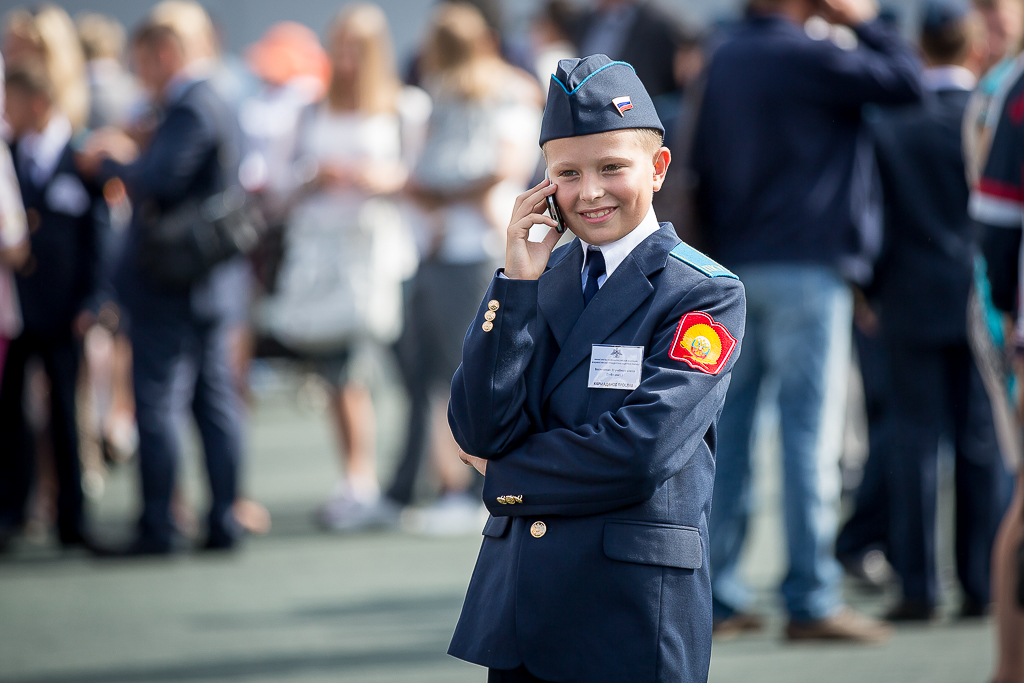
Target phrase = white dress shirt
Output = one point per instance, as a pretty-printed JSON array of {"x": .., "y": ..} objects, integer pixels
[
  {"x": 616, "y": 252},
  {"x": 948, "y": 78},
  {"x": 39, "y": 153}
]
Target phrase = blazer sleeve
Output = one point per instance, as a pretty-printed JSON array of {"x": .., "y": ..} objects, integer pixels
[
  {"x": 95, "y": 225},
  {"x": 166, "y": 170},
  {"x": 487, "y": 407},
  {"x": 882, "y": 70},
  {"x": 631, "y": 452}
]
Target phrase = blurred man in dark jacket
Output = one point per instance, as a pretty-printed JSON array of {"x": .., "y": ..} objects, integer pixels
[
  {"x": 924, "y": 279},
  {"x": 179, "y": 338},
  {"x": 777, "y": 152}
]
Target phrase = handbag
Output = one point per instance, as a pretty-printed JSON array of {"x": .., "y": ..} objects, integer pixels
[{"x": 182, "y": 245}]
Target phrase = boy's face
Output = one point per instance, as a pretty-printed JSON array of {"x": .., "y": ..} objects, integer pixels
[
  {"x": 605, "y": 182},
  {"x": 23, "y": 111}
]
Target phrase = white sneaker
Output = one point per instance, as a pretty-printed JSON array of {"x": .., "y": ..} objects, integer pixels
[
  {"x": 454, "y": 514},
  {"x": 351, "y": 514}
]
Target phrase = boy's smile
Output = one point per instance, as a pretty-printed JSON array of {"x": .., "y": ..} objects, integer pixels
[{"x": 605, "y": 181}]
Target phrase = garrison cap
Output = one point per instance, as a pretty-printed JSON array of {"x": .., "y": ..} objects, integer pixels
[{"x": 596, "y": 95}]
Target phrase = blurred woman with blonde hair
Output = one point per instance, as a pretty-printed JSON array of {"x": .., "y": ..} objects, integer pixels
[
  {"x": 345, "y": 248},
  {"x": 48, "y": 34},
  {"x": 481, "y": 150}
]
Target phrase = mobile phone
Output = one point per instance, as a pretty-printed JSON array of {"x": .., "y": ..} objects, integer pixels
[{"x": 553, "y": 211}]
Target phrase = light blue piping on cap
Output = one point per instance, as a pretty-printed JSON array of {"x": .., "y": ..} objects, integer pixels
[{"x": 570, "y": 94}]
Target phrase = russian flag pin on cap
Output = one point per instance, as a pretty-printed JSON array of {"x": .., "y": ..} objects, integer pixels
[{"x": 623, "y": 104}]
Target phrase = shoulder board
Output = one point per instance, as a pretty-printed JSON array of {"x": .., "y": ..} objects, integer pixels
[{"x": 690, "y": 256}]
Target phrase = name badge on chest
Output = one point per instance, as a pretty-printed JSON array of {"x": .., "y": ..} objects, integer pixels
[{"x": 615, "y": 367}]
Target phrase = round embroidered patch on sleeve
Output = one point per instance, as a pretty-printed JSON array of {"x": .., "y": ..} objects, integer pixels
[{"x": 702, "y": 343}]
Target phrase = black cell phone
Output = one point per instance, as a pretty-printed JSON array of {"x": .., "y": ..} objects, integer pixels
[{"x": 554, "y": 212}]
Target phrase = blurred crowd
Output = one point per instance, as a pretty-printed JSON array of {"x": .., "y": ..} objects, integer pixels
[{"x": 315, "y": 202}]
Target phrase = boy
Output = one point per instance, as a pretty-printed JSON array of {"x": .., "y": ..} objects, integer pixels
[
  {"x": 588, "y": 394},
  {"x": 54, "y": 286}
]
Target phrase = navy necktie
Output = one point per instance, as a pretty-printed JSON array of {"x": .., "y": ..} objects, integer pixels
[{"x": 595, "y": 269}]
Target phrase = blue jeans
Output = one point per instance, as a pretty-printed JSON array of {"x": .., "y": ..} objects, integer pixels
[
  {"x": 182, "y": 366},
  {"x": 798, "y": 334}
]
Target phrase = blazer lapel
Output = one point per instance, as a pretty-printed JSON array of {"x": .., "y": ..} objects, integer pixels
[
  {"x": 560, "y": 293},
  {"x": 627, "y": 288}
]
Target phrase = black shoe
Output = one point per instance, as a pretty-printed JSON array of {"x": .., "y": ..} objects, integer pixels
[
  {"x": 81, "y": 540},
  {"x": 140, "y": 547},
  {"x": 7, "y": 536},
  {"x": 911, "y": 610},
  {"x": 870, "y": 568},
  {"x": 218, "y": 543},
  {"x": 972, "y": 609}
]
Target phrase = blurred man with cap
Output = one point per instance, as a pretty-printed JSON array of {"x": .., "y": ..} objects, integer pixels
[
  {"x": 588, "y": 395},
  {"x": 923, "y": 279},
  {"x": 780, "y": 162}
]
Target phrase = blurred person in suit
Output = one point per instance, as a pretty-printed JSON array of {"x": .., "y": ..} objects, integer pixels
[
  {"x": 47, "y": 33},
  {"x": 347, "y": 250},
  {"x": 924, "y": 278},
  {"x": 66, "y": 216},
  {"x": 180, "y": 336},
  {"x": 778, "y": 155},
  {"x": 637, "y": 32},
  {"x": 478, "y": 155}
]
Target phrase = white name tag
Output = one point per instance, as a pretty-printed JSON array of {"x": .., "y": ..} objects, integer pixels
[{"x": 615, "y": 367}]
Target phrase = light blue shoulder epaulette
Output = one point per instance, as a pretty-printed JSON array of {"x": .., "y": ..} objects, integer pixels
[{"x": 690, "y": 256}]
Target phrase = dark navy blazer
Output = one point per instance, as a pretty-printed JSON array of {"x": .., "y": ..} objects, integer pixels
[
  {"x": 618, "y": 588},
  {"x": 778, "y": 147},
  {"x": 67, "y": 216},
  {"x": 186, "y": 158},
  {"x": 927, "y": 266}
]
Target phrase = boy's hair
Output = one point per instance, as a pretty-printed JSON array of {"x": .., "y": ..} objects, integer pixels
[
  {"x": 950, "y": 43},
  {"x": 649, "y": 138},
  {"x": 30, "y": 77}
]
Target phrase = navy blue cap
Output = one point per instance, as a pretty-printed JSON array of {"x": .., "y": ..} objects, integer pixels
[
  {"x": 596, "y": 95},
  {"x": 939, "y": 15}
]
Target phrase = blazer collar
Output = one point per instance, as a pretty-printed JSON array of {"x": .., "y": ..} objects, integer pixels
[{"x": 575, "y": 328}]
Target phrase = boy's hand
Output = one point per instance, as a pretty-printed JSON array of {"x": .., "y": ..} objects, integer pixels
[
  {"x": 479, "y": 463},
  {"x": 525, "y": 260}
]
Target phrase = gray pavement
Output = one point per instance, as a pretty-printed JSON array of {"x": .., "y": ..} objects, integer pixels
[{"x": 301, "y": 606}]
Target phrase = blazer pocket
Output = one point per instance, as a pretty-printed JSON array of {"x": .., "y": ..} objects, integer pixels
[
  {"x": 663, "y": 545},
  {"x": 496, "y": 526}
]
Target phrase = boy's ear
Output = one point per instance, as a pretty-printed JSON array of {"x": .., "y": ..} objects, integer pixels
[{"x": 662, "y": 159}]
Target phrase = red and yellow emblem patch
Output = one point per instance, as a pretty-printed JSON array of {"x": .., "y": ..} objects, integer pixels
[{"x": 702, "y": 343}]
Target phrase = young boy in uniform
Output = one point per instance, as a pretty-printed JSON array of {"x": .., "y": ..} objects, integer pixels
[
  {"x": 591, "y": 383},
  {"x": 55, "y": 286}
]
